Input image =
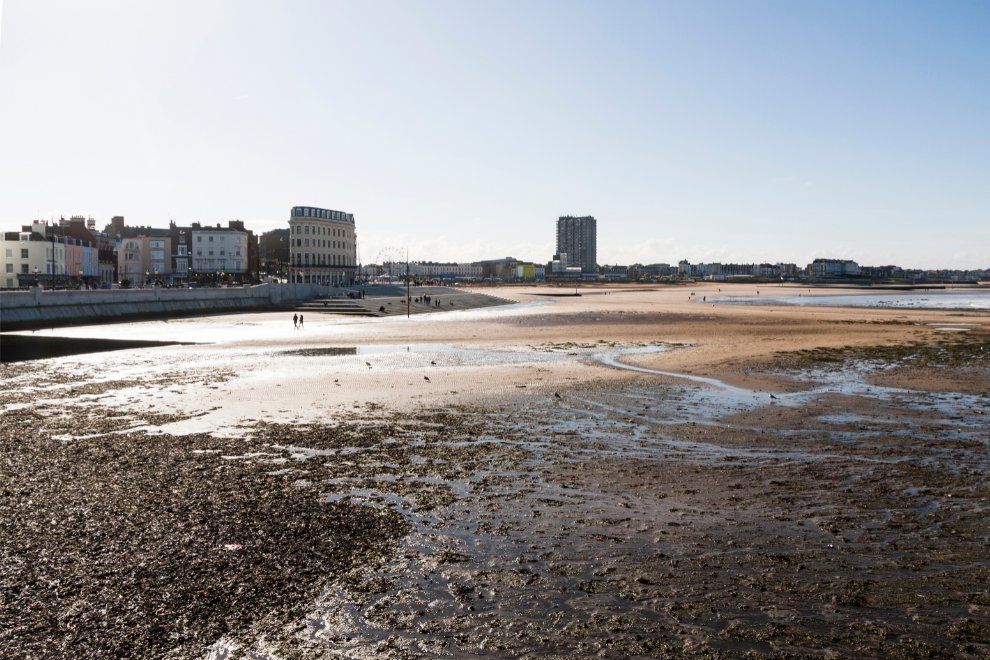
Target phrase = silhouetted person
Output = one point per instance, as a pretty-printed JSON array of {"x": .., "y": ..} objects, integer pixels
[
  {"x": 295, "y": 321},
  {"x": 300, "y": 321}
]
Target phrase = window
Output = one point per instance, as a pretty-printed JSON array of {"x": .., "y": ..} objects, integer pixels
[
  {"x": 24, "y": 269},
  {"x": 211, "y": 239},
  {"x": 9, "y": 253},
  {"x": 10, "y": 267},
  {"x": 199, "y": 239},
  {"x": 24, "y": 254}
]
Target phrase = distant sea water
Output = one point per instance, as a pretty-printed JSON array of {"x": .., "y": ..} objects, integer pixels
[{"x": 968, "y": 299}]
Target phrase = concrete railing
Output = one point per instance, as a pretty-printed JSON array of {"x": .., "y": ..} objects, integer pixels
[{"x": 41, "y": 308}]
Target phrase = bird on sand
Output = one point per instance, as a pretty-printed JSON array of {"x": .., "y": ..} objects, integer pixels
[
  {"x": 433, "y": 362},
  {"x": 426, "y": 378},
  {"x": 557, "y": 394},
  {"x": 772, "y": 396},
  {"x": 369, "y": 364}
]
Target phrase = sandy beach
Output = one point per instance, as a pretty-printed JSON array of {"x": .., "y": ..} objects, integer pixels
[{"x": 635, "y": 471}]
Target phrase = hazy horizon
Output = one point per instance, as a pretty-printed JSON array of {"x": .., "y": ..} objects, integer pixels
[{"x": 707, "y": 131}]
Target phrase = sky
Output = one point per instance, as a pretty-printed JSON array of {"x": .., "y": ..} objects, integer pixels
[{"x": 737, "y": 131}]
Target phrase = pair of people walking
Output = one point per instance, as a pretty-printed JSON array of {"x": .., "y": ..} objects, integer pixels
[{"x": 297, "y": 321}]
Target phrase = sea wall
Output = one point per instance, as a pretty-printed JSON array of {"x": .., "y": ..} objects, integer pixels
[{"x": 38, "y": 308}]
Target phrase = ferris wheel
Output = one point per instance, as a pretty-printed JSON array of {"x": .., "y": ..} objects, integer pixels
[{"x": 392, "y": 260}]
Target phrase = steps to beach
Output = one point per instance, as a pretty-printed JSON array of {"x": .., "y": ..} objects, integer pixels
[{"x": 396, "y": 305}]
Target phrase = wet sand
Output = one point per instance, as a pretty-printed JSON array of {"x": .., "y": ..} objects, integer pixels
[{"x": 596, "y": 475}]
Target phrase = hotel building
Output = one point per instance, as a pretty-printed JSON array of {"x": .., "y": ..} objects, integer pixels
[{"x": 322, "y": 246}]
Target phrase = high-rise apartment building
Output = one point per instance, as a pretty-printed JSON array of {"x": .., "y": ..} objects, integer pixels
[{"x": 577, "y": 238}]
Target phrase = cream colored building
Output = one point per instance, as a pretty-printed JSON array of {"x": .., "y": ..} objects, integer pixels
[
  {"x": 26, "y": 253},
  {"x": 322, "y": 246}
]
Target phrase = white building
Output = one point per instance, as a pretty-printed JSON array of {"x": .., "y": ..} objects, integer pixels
[
  {"x": 322, "y": 246},
  {"x": 218, "y": 250},
  {"x": 452, "y": 271},
  {"x": 832, "y": 267}
]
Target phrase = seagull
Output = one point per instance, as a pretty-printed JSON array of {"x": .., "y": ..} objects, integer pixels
[
  {"x": 426, "y": 378},
  {"x": 369, "y": 364},
  {"x": 557, "y": 394},
  {"x": 433, "y": 362},
  {"x": 772, "y": 396}
]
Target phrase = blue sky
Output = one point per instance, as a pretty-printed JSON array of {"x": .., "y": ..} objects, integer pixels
[{"x": 732, "y": 131}]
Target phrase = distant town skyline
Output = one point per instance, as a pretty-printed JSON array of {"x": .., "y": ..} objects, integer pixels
[{"x": 708, "y": 131}]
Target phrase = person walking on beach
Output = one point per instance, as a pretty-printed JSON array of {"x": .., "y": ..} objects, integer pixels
[
  {"x": 295, "y": 321},
  {"x": 300, "y": 321}
]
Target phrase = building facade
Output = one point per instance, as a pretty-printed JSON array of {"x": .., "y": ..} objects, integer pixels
[
  {"x": 577, "y": 237},
  {"x": 322, "y": 246},
  {"x": 443, "y": 271},
  {"x": 833, "y": 268},
  {"x": 24, "y": 256},
  {"x": 144, "y": 259},
  {"x": 219, "y": 251}
]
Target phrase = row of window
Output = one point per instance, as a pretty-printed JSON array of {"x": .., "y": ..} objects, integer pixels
[
  {"x": 199, "y": 253},
  {"x": 321, "y": 260},
  {"x": 322, "y": 242},
  {"x": 319, "y": 230},
  {"x": 323, "y": 214}
]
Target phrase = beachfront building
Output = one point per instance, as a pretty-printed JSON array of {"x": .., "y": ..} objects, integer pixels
[
  {"x": 66, "y": 254},
  {"x": 577, "y": 238},
  {"x": 833, "y": 268},
  {"x": 433, "y": 270},
  {"x": 322, "y": 246},
  {"x": 219, "y": 252},
  {"x": 144, "y": 257},
  {"x": 24, "y": 256}
]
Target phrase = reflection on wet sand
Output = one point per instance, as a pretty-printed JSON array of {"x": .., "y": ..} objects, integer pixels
[{"x": 588, "y": 482}]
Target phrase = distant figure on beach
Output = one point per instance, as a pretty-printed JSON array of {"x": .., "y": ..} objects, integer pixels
[
  {"x": 295, "y": 321},
  {"x": 704, "y": 298},
  {"x": 300, "y": 321}
]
